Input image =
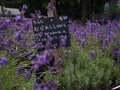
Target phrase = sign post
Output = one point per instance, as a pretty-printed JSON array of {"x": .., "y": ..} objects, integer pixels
[
  {"x": 53, "y": 29},
  {"x": 54, "y": 51}
]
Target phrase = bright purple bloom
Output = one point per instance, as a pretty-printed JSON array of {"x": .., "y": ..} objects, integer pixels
[
  {"x": 48, "y": 56},
  {"x": 17, "y": 18},
  {"x": 7, "y": 20},
  {"x": 3, "y": 61}
]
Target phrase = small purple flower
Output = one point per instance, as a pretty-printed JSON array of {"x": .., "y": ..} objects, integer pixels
[
  {"x": 40, "y": 59},
  {"x": 63, "y": 40},
  {"x": 19, "y": 35},
  {"x": 17, "y": 18},
  {"x": 27, "y": 74},
  {"x": 38, "y": 46},
  {"x": 33, "y": 62},
  {"x": 31, "y": 56},
  {"x": 36, "y": 66},
  {"x": 48, "y": 56},
  {"x": 3, "y": 61},
  {"x": 7, "y": 20},
  {"x": 20, "y": 67}
]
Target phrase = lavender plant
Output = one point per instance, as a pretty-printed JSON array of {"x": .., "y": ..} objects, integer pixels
[{"x": 91, "y": 63}]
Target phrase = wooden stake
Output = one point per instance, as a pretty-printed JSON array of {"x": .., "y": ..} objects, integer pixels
[{"x": 54, "y": 51}]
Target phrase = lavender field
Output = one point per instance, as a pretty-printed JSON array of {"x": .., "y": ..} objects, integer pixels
[{"x": 91, "y": 63}]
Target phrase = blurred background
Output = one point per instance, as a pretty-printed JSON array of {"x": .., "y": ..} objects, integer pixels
[{"x": 75, "y": 9}]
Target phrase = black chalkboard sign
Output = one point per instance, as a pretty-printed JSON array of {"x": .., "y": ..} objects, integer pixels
[{"x": 54, "y": 27}]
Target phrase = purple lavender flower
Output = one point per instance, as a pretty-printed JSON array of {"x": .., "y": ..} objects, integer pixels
[
  {"x": 20, "y": 68},
  {"x": 7, "y": 20},
  {"x": 3, "y": 61},
  {"x": 27, "y": 73},
  {"x": 17, "y": 18},
  {"x": 36, "y": 66},
  {"x": 63, "y": 40},
  {"x": 33, "y": 62},
  {"x": 38, "y": 46},
  {"x": 48, "y": 56},
  {"x": 39, "y": 58},
  {"x": 31, "y": 56}
]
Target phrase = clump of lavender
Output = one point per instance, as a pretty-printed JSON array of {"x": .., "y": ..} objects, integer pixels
[{"x": 42, "y": 59}]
